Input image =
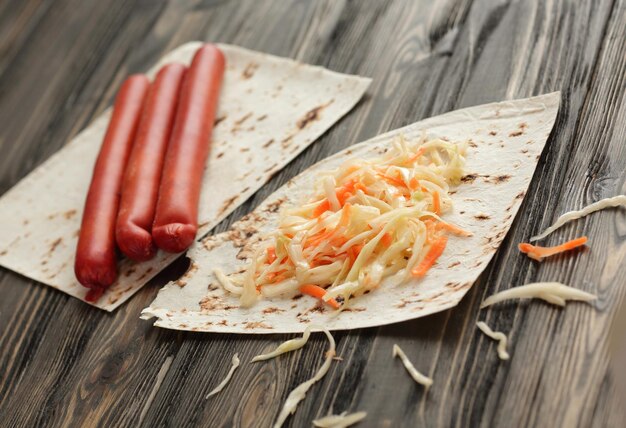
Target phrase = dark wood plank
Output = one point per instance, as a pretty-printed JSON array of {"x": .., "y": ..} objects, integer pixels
[{"x": 63, "y": 363}]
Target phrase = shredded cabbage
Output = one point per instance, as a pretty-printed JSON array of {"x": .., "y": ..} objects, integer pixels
[
  {"x": 365, "y": 221},
  {"x": 343, "y": 420},
  {"x": 499, "y": 336},
  {"x": 552, "y": 292},
  {"x": 417, "y": 376},
  {"x": 218, "y": 388},
  {"x": 288, "y": 346},
  {"x": 613, "y": 202},
  {"x": 300, "y": 391}
]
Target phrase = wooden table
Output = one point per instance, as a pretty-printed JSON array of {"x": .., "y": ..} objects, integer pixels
[{"x": 65, "y": 363}]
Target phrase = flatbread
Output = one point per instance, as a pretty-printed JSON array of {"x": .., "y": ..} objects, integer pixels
[
  {"x": 270, "y": 109},
  {"x": 505, "y": 141}
]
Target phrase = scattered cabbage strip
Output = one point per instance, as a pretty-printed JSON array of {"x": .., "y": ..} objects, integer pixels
[
  {"x": 288, "y": 346},
  {"x": 343, "y": 420},
  {"x": 613, "y": 202},
  {"x": 218, "y": 388},
  {"x": 417, "y": 376},
  {"x": 539, "y": 253},
  {"x": 365, "y": 221},
  {"x": 552, "y": 292},
  {"x": 300, "y": 391},
  {"x": 495, "y": 335}
]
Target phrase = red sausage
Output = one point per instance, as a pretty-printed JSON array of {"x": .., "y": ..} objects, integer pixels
[
  {"x": 176, "y": 220},
  {"x": 95, "y": 265},
  {"x": 143, "y": 172}
]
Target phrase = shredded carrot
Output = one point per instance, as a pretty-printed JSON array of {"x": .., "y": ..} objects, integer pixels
[
  {"x": 318, "y": 292},
  {"x": 392, "y": 180},
  {"x": 436, "y": 203},
  {"x": 360, "y": 186},
  {"x": 386, "y": 240},
  {"x": 442, "y": 225},
  {"x": 315, "y": 240},
  {"x": 538, "y": 253},
  {"x": 321, "y": 208},
  {"x": 275, "y": 276},
  {"x": 436, "y": 250},
  {"x": 420, "y": 151},
  {"x": 353, "y": 252},
  {"x": 414, "y": 183},
  {"x": 271, "y": 255}
]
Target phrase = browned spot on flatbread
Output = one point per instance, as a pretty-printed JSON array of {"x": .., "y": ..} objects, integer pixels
[
  {"x": 286, "y": 141},
  {"x": 520, "y": 195},
  {"x": 524, "y": 151},
  {"x": 227, "y": 204},
  {"x": 312, "y": 115},
  {"x": 469, "y": 178},
  {"x": 180, "y": 283},
  {"x": 69, "y": 214},
  {"x": 54, "y": 245},
  {"x": 273, "y": 207},
  {"x": 223, "y": 322},
  {"x": 318, "y": 308},
  {"x": 145, "y": 274},
  {"x": 268, "y": 143},
  {"x": 249, "y": 71},
  {"x": 218, "y": 120},
  {"x": 471, "y": 143},
  {"x": 498, "y": 179},
  {"x": 516, "y": 133},
  {"x": 261, "y": 118},
  {"x": 453, "y": 264},
  {"x": 219, "y": 155},
  {"x": 3, "y": 252},
  {"x": 482, "y": 217},
  {"x": 213, "y": 303},
  {"x": 297, "y": 297},
  {"x": 272, "y": 310},
  {"x": 493, "y": 133},
  {"x": 183, "y": 325},
  {"x": 130, "y": 271},
  {"x": 243, "y": 119},
  {"x": 271, "y": 168},
  {"x": 244, "y": 149},
  {"x": 256, "y": 324},
  {"x": 25, "y": 222}
]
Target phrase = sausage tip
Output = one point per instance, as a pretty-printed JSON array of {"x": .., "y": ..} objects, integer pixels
[
  {"x": 94, "y": 275},
  {"x": 135, "y": 242},
  {"x": 174, "y": 237}
]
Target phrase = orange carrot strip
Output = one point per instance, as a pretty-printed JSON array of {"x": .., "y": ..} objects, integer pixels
[
  {"x": 386, "y": 240},
  {"x": 361, "y": 187},
  {"x": 321, "y": 208},
  {"x": 539, "y": 253},
  {"x": 392, "y": 180},
  {"x": 436, "y": 203},
  {"x": 420, "y": 151},
  {"x": 453, "y": 228},
  {"x": 318, "y": 292},
  {"x": 271, "y": 255},
  {"x": 431, "y": 257},
  {"x": 353, "y": 252},
  {"x": 414, "y": 183}
]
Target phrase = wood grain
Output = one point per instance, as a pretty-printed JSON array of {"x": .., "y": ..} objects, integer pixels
[{"x": 65, "y": 364}]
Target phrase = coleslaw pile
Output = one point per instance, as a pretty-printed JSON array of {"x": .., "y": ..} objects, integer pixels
[{"x": 369, "y": 220}]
